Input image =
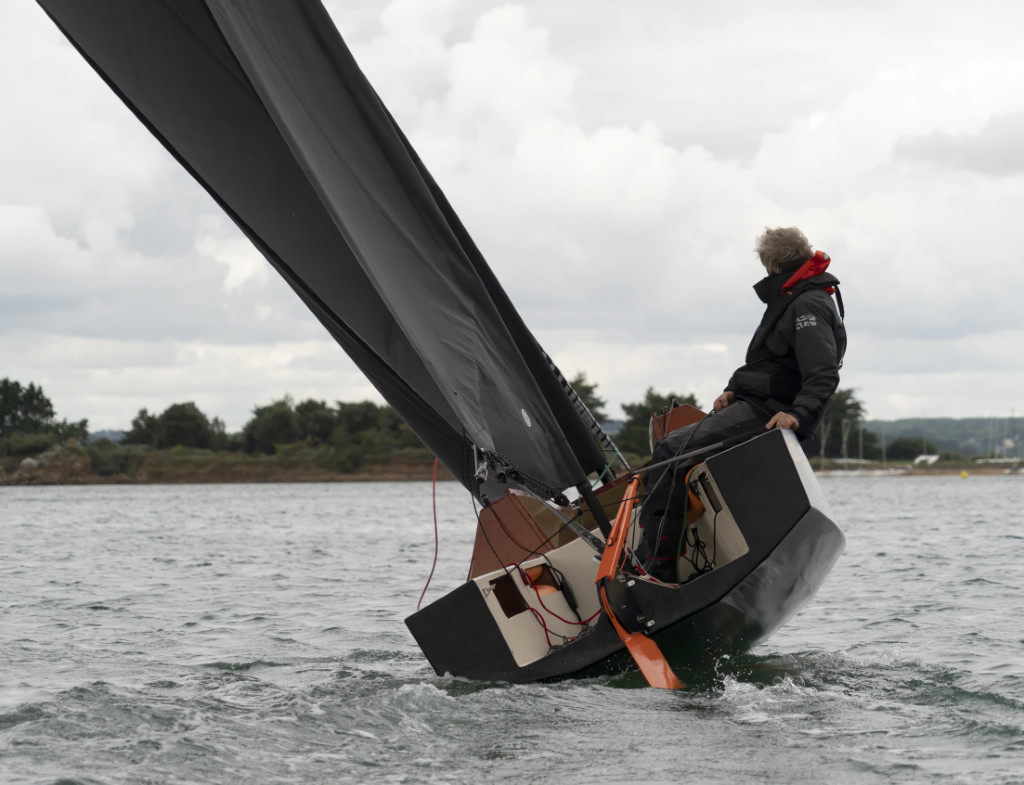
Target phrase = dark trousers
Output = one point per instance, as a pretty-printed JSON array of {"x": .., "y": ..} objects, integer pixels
[{"x": 663, "y": 512}]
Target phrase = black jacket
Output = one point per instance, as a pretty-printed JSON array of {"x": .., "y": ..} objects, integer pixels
[{"x": 792, "y": 363}]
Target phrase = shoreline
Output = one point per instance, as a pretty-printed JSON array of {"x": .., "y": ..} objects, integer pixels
[
  {"x": 385, "y": 473},
  {"x": 381, "y": 473},
  {"x": 72, "y": 465},
  {"x": 931, "y": 471}
]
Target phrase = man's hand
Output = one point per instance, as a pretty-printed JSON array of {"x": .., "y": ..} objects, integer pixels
[
  {"x": 723, "y": 400},
  {"x": 782, "y": 420}
]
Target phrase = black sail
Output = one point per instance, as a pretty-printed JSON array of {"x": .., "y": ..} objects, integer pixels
[{"x": 261, "y": 101}]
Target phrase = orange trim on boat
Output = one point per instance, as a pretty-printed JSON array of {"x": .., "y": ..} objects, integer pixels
[{"x": 644, "y": 650}]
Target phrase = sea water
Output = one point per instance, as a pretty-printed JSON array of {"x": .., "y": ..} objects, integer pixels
[{"x": 254, "y": 634}]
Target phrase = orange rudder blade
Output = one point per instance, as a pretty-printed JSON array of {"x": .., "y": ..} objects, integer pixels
[
  {"x": 652, "y": 663},
  {"x": 645, "y": 654}
]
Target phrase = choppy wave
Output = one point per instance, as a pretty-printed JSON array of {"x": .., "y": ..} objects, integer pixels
[{"x": 170, "y": 635}]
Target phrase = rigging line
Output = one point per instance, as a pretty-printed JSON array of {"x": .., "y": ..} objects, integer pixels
[
  {"x": 714, "y": 539},
  {"x": 512, "y": 472},
  {"x": 597, "y": 432},
  {"x": 518, "y": 544},
  {"x": 536, "y": 551},
  {"x": 637, "y": 497},
  {"x": 574, "y": 523},
  {"x": 681, "y": 456},
  {"x": 487, "y": 539},
  {"x": 512, "y": 538},
  {"x": 574, "y": 606},
  {"x": 677, "y": 457},
  {"x": 567, "y": 523},
  {"x": 663, "y": 519},
  {"x": 547, "y": 634},
  {"x": 433, "y": 499},
  {"x": 536, "y": 613},
  {"x": 681, "y": 545},
  {"x": 700, "y": 550},
  {"x": 529, "y": 553},
  {"x": 612, "y": 505},
  {"x": 532, "y": 584},
  {"x": 528, "y": 581}
]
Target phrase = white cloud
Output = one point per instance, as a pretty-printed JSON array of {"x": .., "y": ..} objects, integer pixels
[
  {"x": 615, "y": 175},
  {"x": 505, "y": 75},
  {"x": 108, "y": 380},
  {"x": 993, "y": 149},
  {"x": 219, "y": 239}
]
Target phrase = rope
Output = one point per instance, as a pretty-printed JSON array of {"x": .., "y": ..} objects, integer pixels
[{"x": 434, "y": 501}]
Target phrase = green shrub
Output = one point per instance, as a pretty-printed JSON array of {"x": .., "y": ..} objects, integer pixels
[
  {"x": 22, "y": 444},
  {"x": 110, "y": 459}
]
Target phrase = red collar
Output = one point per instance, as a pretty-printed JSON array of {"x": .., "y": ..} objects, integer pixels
[{"x": 816, "y": 265}]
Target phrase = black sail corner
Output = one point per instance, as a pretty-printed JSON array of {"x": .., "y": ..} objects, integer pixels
[{"x": 262, "y": 102}]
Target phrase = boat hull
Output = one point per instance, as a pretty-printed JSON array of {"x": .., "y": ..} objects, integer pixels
[
  {"x": 764, "y": 600},
  {"x": 770, "y": 520}
]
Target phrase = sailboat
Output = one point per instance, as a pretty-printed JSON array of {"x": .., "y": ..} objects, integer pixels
[{"x": 262, "y": 102}]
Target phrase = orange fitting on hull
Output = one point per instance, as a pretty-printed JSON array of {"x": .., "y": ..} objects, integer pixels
[
  {"x": 643, "y": 650},
  {"x": 694, "y": 506},
  {"x": 538, "y": 578}
]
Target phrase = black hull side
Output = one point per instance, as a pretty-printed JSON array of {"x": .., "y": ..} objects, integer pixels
[
  {"x": 763, "y": 601},
  {"x": 458, "y": 636},
  {"x": 792, "y": 545}
]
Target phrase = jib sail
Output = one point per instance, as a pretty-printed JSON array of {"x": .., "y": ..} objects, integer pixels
[{"x": 263, "y": 104}]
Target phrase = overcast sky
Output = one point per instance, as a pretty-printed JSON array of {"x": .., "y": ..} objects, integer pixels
[{"x": 614, "y": 162}]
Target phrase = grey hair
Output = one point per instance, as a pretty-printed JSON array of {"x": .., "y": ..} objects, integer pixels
[{"x": 781, "y": 245}]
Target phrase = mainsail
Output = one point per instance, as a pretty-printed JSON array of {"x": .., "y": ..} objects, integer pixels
[{"x": 261, "y": 101}]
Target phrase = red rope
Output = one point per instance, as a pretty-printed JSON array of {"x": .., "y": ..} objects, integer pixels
[
  {"x": 433, "y": 495},
  {"x": 543, "y": 624},
  {"x": 533, "y": 585}
]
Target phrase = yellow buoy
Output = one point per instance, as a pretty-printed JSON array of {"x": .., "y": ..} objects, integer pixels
[{"x": 964, "y": 474}]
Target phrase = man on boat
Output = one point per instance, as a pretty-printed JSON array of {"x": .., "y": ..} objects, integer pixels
[{"x": 791, "y": 371}]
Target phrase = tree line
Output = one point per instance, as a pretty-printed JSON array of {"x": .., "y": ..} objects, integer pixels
[
  {"x": 364, "y": 432},
  {"x": 28, "y": 422},
  {"x": 363, "y": 428}
]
